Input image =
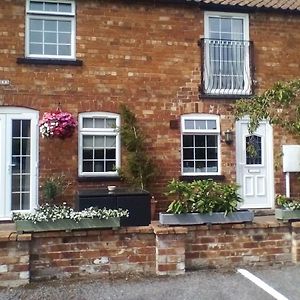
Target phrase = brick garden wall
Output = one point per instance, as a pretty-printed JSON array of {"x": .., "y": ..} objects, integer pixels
[
  {"x": 154, "y": 249},
  {"x": 144, "y": 54}
]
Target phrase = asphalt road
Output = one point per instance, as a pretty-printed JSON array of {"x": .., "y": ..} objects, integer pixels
[{"x": 205, "y": 284}]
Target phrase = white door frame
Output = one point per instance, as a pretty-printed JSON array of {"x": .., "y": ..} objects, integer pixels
[
  {"x": 269, "y": 162},
  {"x": 7, "y": 114}
]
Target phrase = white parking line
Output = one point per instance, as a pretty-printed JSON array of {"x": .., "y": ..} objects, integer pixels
[{"x": 262, "y": 284}]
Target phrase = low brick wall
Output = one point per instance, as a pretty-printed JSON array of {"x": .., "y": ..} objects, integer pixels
[
  {"x": 14, "y": 259},
  {"x": 154, "y": 249}
]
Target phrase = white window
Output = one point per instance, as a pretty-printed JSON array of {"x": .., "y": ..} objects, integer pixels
[
  {"x": 226, "y": 54},
  {"x": 200, "y": 142},
  {"x": 50, "y": 29},
  {"x": 99, "y": 144}
]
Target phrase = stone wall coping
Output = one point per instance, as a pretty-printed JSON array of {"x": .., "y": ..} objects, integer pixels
[
  {"x": 163, "y": 230},
  {"x": 296, "y": 224},
  {"x": 8, "y": 236}
]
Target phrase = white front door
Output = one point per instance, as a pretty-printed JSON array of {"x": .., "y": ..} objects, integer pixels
[
  {"x": 18, "y": 160},
  {"x": 255, "y": 174}
]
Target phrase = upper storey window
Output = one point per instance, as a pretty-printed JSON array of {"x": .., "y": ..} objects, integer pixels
[
  {"x": 226, "y": 47},
  {"x": 50, "y": 29}
]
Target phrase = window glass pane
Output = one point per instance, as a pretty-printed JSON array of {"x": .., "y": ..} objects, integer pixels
[
  {"x": 188, "y": 166},
  {"x": 87, "y": 166},
  {"x": 64, "y": 50},
  {"x": 50, "y": 25},
  {"x": 50, "y": 49},
  {"x": 36, "y": 24},
  {"x": 212, "y": 166},
  {"x": 25, "y": 201},
  {"x": 64, "y": 26},
  {"x": 87, "y": 123},
  {"x": 200, "y": 140},
  {"x": 189, "y": 124},
  {"x": 110, "y": 123},
  {"x": 16, "y": 149},
  {"x": 200, "y": 167},
  {"x": 26, "y": 183},
  {"x": 110, "y": 153},
  {"x": 211, "y": 124},
  {"x": 99, "y": 166},
  {"x": 16, "y": 165},
  {"x": 87, "y": 154},
  {"x": 36, "y": 37},
  {"x": 99, "y": 154},
  {"x": 225, "y": 25},
  {"x": 99, "y": 141},
  {"x": 188, "y": 141},
  {"x": 25, "y": 164},
  {"x": 36, "y": 49},
  {"x": 65, "y": 7},
  {"x": 212, "y": 153},
  {"x": 200, "y": 153},
  {"x": 110, "y": 141},
  {"x": 237, "y": 26},
  {"x": 211, "y": 141},
  {"x": 50, "y": 7},
  {"x": 16, "y": 128},
  {"x": 16, "y": 183},
  {"x": 200, "y": 124},
  {"x": 64, "y": 38},
  {"x": 88, "y": 141},
  {"x": 15, "y": 201},
  {"x": 188, "y": 153},
  {"x": 50, "y": 37},
  {"x": 25, "y": 146},
  {"x": 36, "y": 6},
  {"x": 214, "y": 24},
  {"x": 99, "y": 122},
  {"x": 110, "y": 166}
]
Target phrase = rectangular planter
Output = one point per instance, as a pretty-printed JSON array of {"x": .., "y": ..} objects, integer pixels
[
  {"x": 286, "y": 215},
  {"x": 66, "y": 225},
  {"x": 214, "y": 218}
]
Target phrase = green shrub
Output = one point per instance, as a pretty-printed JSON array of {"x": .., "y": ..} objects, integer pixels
[{"x": 203, "y": 196}]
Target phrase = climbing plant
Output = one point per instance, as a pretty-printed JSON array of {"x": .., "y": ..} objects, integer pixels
[
  {"x": 138, "y": 169},
  {"x": 280, "y": 105}
]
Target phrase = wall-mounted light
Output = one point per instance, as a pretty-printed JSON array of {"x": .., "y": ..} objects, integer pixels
[{"x": 228, "y": 136}]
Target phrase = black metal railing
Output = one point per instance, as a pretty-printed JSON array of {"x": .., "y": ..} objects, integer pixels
[{"x": 226, "y": 67}]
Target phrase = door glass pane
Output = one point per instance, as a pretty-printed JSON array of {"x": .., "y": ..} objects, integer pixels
[{"x": 253, "y": 150}]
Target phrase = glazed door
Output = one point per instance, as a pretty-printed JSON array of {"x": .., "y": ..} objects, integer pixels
[
  {"x": 255, "y": 165},
  {"x": 18, "y": 161}
]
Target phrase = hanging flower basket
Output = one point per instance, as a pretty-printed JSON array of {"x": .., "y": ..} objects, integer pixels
[{"x": 57, "y": 124}]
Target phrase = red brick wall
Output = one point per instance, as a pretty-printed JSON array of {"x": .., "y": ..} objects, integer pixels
[{"x": 144, "y": 54}]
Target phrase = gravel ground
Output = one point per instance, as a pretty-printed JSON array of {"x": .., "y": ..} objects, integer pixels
[{"x": 210, "y": 285}]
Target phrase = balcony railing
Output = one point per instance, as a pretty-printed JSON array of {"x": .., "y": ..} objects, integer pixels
[{"x": 226, "y": 68}]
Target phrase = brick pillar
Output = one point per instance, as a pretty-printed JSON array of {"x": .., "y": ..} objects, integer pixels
[
  {"x": 170, "y": 250},
  {"x": 14, "y": 259},
  {"x": 296, "y": 242}
]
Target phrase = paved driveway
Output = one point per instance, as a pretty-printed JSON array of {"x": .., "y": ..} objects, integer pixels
[{"x": 210, "y": 285}]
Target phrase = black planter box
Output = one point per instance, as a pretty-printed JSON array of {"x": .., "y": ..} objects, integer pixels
[{"x": 138, "y": 203}]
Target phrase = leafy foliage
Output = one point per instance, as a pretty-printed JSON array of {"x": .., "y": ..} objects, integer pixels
[
  {"x": 47, "y": 213},
  {"x": 139, "y": 169},
  {"x": 278, "y": 105},
  {"x": 287, "y": 203},
  {"x": 54, "y": 186},
  {"x": 202, "y": 196}
]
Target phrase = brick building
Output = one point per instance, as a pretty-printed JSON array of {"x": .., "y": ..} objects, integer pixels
[{"x": 179, "y": 66}]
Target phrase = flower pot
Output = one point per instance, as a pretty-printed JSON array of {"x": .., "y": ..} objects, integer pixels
[
  {"x": 240, "y": 216},
  {"x": 66, "y": 224},
  {"x": 287, "y": 214}
]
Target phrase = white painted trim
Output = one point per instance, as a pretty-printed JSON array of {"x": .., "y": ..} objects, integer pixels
[
  {"x": 51, "y": 16},
  {"x": 95, "y": 131},
  {"x": 217, "y": 132},
  {"x": 261, "y": 284}
]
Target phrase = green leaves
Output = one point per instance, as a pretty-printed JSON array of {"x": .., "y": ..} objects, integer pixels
[{"x": 202, "y": 196}]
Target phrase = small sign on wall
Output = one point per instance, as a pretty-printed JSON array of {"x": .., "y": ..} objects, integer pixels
[
  {"x": 291, "y": 158},
  {"x": 4, "y": 82}
]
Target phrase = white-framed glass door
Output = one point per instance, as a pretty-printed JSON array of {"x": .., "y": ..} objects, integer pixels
[
  {"x": 18, "y": 160},
  {"x": 255, "y": 172}
]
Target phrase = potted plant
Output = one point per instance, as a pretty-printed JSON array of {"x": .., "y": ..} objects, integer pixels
[
  {"x": 62, "y": 217},
  {"x": 289, "y": 208},
  {"x": 203, "y": 201}
]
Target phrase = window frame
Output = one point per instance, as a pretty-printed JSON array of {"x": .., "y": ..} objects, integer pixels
[
  {"x": 48, "y": 15},
  {"x": 99, "y": 132},
  {"x": 203, "y": 132},
  {"x": 247, "y": 85}
]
